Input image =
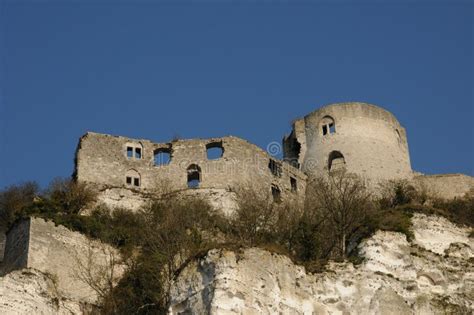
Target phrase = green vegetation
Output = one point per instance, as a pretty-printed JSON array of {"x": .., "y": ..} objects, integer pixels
[{"x": 160, "y": 239}]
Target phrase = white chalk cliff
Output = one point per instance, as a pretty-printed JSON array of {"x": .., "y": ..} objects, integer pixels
[
  {"x": 30, "y": 291},
  {"x": 433, "y": 274},
  {"x": 43, "y": 274}
]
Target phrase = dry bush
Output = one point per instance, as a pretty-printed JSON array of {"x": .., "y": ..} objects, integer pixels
[
  {"x": 260, "y": 220},
  {"x": 254, "y": 216},
  {"x": 70, "y": 196},
  {"x": 289, "y": 216},
  {"x": 393, "y": 193},
  {"x": 458, "y": 210},
  {"x": 333, "y": 215},
  {"x": 100, "y": 268},
  {"x": 337, "y": 205},
  {"x": 171, "y": 233},
  {"x": 173, "y": 229},
  {"x": 14, "y": 199}
]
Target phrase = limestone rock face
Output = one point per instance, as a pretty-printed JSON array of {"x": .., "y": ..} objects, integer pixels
[
  {"x": 433, "y": 274},
  {"x": 437, "y": 234},
  {"x": 46, "y": 268},
  {"x": 30, "y": 291}
]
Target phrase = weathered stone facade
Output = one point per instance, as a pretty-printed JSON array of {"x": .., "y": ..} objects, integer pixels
[
  {"x": 363, "y": 139},
  {"x": 104, "y": 162},
  {"x": 445, "y": 186},
  {"x": 35, "y": 244}
]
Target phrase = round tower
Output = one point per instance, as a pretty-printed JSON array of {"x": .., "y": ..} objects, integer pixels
[{"x": 363, "y": 139}]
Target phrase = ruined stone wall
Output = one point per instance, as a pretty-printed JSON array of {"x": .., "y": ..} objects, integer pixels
[
  {"x": 102, "y": 161},
  {"x": 445, "y": 186},
  {"x": 56, "y": 251},
  {"x": 370, "y": 139}
]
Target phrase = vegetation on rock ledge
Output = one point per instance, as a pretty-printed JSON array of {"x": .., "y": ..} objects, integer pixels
[{"x": 160, "y": 239}]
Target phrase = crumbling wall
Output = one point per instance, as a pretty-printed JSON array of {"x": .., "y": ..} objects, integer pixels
[
  {"x": 103, "y": 161},
  {"x": 370, "y": 139},
  {"x": 56, "y": 251},
  {"x": 445, "y": 186}
]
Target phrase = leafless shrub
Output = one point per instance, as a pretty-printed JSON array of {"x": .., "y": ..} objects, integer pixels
[
  {"x": 70, "y": 195},
  {"x": 14, "y": 199},
  {"x": 261, "y": 221},
  {"x": 289, "y": 215},
  {"x": 172, "y": 233},
  {"x": 255, "y": 216},
  {"x": 393, "y": 193},
  {"x": 338, "y": 205},
  {"x": 99, "y": 267}
]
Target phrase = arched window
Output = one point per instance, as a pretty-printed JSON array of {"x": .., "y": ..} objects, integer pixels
[
  {"x": 162, "y": 156},
  {"x": 336, "y": 161},
  {"x": 214, "y": 150},
  {"x": 132, "y": 178},
  {"x": 194, "y": 176},
  {"x": 134, "y": 151},
  {"x": 328, "y": 125}
]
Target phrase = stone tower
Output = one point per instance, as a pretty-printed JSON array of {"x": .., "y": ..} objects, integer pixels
[{"x": 362, "y": 138}]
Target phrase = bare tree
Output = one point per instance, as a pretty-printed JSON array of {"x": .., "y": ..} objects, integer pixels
[
  {"x": 99, "y": 267},
  {"x": 173, "y": 233},
  {"x": 255, "y": 215},
  {"x": 341, "y": 202}
]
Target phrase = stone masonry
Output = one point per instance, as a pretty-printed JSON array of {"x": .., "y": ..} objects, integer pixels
[
  {"x": 361, "y": 138},
  {"x": 365, "y": 139},
  {"x": 105, "y": 162},
  {"x": 34, "y": 243}
]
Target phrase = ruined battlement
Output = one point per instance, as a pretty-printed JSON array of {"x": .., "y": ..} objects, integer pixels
[
  {"x": 362, "y": 138},
  {"x": 224, "y": 163}
]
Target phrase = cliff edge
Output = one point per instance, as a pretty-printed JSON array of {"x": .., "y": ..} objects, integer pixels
[{"x": 431, "y": 274}]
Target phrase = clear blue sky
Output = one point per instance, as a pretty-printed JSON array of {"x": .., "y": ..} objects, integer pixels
[{"x": 150, "y": 69}]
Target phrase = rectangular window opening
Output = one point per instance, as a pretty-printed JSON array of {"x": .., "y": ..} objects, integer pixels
[
  {"x": 325, "y": 130},
  {"x": 129, "y": 152},
  {"x": 129, "y": 180},
  {"x": 275, "y": 167},
  {"x": 276, "y": 193},
  {"x": 294, "y": 186},
  {"x": 332, "y": 128},
  {"x": 136, "y": 182},
  {"x": 162, "y": 156},
  {"x": 138, "y": 153}
]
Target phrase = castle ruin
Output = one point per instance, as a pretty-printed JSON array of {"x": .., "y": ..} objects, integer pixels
[{"x": 361, "y": 138}]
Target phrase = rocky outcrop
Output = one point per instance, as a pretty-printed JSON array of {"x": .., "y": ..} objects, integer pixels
[
  {"x": 220, "y": 199},
  {"x": 30, "y": 291},
  {"x": 438, "y": 234},
  {"x": 47, "y": 269},
  {"x": 433, "y": 274}
]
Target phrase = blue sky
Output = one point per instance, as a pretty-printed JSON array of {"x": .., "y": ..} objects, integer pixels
[{"x": 155, "y": 70}]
